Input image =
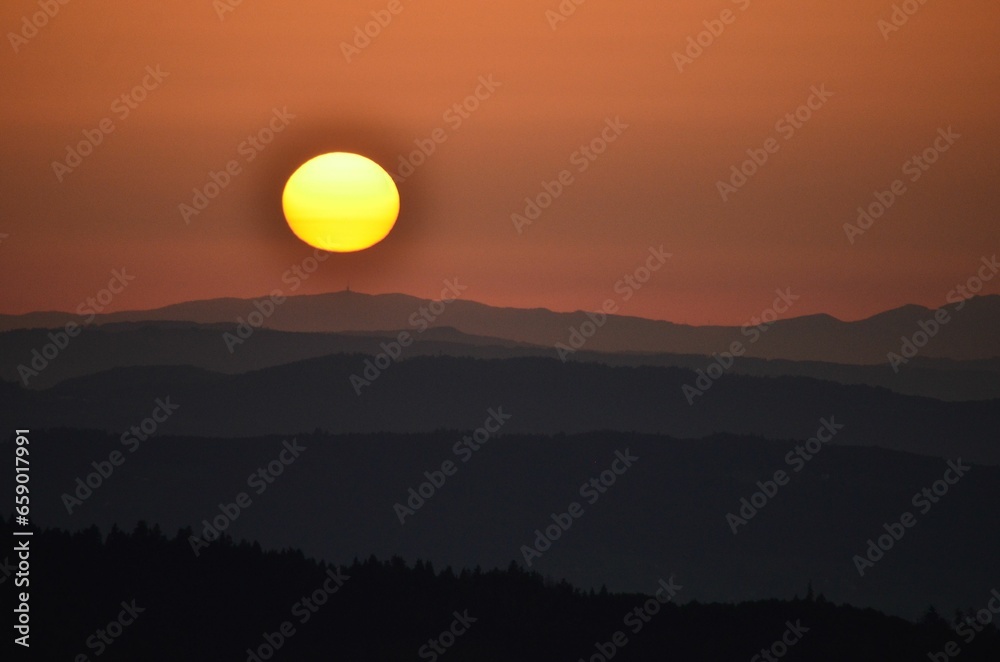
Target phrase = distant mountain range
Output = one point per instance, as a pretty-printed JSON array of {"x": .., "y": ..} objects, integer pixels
[
  {"x": 127, "y": 344},
  {"x": 347, "y": 393},
  {"x": 208, "y": 389},
  {"x": 969, "y": 334}
]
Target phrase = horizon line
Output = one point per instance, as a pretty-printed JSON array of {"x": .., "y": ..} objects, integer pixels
[{"x": 348, "y": 290}]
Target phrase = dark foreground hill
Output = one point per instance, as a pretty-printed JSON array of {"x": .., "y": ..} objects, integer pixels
[
  {"x": 667, "y": 514},
  {"x": 143, "y": 596},
  {"x": 347, "y": 393}
]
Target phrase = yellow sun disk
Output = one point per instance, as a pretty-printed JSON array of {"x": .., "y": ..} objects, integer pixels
[{"x": 341, "y": 202}]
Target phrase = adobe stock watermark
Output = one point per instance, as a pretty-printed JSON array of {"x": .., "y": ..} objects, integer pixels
[
  {"x": 121, "y": 107},
  {"x": 32, "y": 23},
  {"x": 900, "y": 16},
  {"x": 591, "y": 491},
  {"x": 562, "y": 12},
  {"x": 249, "y": 148},
  {"x": 625, "y": 288},
  {"x": 264, "y": 308},
  {"x": 927, "y": 329},
  {"x": 259, "y": 481},
  {"x": 754, "y": 330},
  {"x": 464, "y": 450},
  {"x": 796, "y": 459},
  {"x": 777, "y": 650},
  {"x": 454, "y": 118},
  {"x": 913, "y": 168},
  {"x": 365, "y": 34},
  {"x": 440, "y": 644},
  {"x": 634, "y": 621},
  {"x": 580, "y": 161},
  {"x": 923, "y": 500},
  {"x": 968, "y": 629},
  {"x": 697, "y": 44},
  {"x": 42, "y": 357},
  {"x": 392, "y": 351},
  {"x": 103, "y": 638},
  {"x": 86, "y": 486},
  {"x": 223, "y": 7},
  {"x": 786, "y": 127},
  {"x": 303, "y": 610}
]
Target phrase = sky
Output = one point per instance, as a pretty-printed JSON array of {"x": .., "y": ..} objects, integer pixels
[{"x": 670, "y": 118}]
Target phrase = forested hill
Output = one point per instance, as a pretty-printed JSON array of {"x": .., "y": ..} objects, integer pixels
[{"x": 145, "y": 596}]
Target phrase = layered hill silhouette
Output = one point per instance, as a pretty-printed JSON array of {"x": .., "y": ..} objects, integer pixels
[
  {"x": 349, "y": 393},
  {"x": 664, "y": 517},
  {"x": 205, "y": 396},
  {"x": 969, "y": 334},
  {"x": 124, "y": 344}
]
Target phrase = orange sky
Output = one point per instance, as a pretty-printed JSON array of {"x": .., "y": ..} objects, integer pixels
[{"x": 656, "y": 183}]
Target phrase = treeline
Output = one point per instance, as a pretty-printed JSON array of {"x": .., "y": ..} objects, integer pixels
[{"x": 141, "y": 595}]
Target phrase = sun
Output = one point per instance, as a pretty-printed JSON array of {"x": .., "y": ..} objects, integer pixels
[{"x": 340, "y": 202}]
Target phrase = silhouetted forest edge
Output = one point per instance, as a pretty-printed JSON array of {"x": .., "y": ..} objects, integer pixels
[
  {"x": 235, "y": 597},
  {"x": 668, "y": 513}
]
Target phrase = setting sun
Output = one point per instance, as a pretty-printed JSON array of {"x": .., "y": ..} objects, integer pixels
[{"x": 340, "y": 202}]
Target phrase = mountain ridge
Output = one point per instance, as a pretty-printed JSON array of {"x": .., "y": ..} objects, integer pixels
[
  {"x": 123, "y": 344},
  {"x": 546, "y": 395},
  {"x": 815, "y": 337}
]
